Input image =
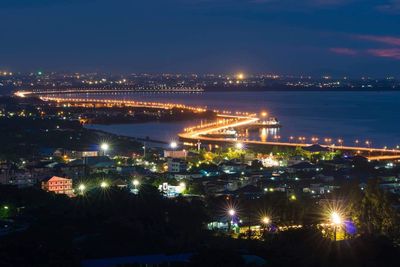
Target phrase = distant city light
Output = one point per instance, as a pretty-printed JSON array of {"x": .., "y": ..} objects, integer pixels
[
  {"x": 136, "y": 182},
  {"x": 81, "y": 187},
  {"x": 240, "y": 76},
  {"x": 103, "y": 184}
]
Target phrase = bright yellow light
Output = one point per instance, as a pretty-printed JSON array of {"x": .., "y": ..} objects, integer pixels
[
  {"x": 240, "y": 76},
  {"x": 104, "y": 184},
  {"x": 336, "y": 218},
  {"x": 135, "y": 182},
  {"x": 293, "y": 197},
  {"x": 239, "y": 145},
  {"x": 266, "y": 220},
  {"x": 182, "y": 184},
  {"x": 82, "y": 187},
  {"x": 264, "y": 114}
]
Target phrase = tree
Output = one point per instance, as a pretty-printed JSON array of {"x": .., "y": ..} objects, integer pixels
[{"x": 377, "y": 215}]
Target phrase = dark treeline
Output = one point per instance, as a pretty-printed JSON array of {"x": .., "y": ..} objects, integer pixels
[{"x": 112, "y": 222}]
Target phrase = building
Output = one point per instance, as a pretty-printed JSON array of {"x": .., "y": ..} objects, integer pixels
[
  {"x": 302, "y": 166},
  {"x": 232, "y": 167},
  {"x": 73, "y": 154},
  {"x": 58, "y": 185},
  {"x": 176, "y": 165},
  {"x": 177, "y": 154}
]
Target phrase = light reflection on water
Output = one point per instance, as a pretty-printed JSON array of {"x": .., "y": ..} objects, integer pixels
[{"x": 364, "y": 116}]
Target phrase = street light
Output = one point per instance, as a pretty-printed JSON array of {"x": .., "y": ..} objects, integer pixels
[
  {"x": 104, "y": 147},
  {"x": 340, "y": 141},
  {"x": 239, "y": 145},
  {"x": 173, "y": 145},
  {"x": 135, "y": 183},
  {"x": 266, "y": 220},
  {"x": 231, "y": 212},
  {"x": 103, "y": 184},
  {"x": 81, "y": 188},
  {"x": 336, "y": 220}
]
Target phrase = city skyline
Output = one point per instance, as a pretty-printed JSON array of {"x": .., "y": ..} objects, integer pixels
[{"x": 334, "y": 37}]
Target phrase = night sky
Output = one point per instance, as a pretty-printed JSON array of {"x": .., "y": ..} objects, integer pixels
[{"x": 336, "y": 37}]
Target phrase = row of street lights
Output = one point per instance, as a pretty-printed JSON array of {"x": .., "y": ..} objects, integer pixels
[
  {"x": 103, "y": 184},
  {"x": 335, "y": 219}
]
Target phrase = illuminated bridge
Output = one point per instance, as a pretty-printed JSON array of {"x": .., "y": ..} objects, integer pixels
[
  {"x": 225, "y": 120},
  {"x": 197, "y": 134}
]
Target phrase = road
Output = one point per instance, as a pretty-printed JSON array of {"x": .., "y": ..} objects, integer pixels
[{"x": 198, "y": 135}]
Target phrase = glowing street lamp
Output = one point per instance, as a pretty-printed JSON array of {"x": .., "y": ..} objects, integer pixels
[
  {"x": 264, "y": 114},
  {"x": 336, "y": 220},
  {"x": 103, "y": 184},
  {"x": 173, "y": 144},
  {"x": 135, "y": 183},
  {"x": 104, "y": 147},
  {"x": 340, "y": 141},
  {"x": 239, "y": 145},
  {"x": 266, "y": 220},
  {"x": 82, "y": 188},
  {"x": 314, "y": 140},
  {"x": 368, "y": 143},
  {"x": 231, "y": 213}
]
